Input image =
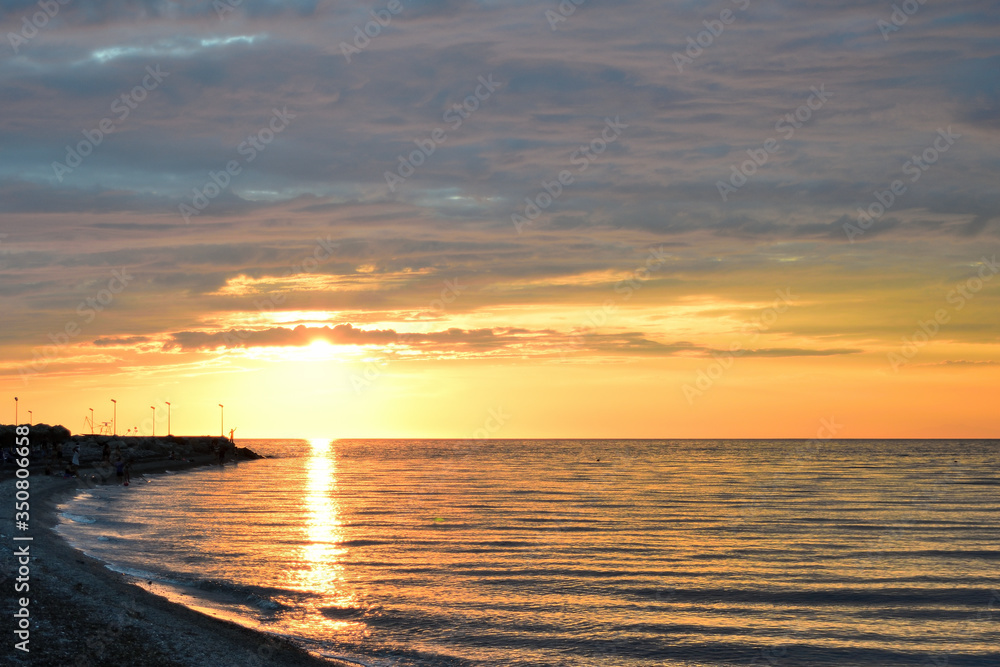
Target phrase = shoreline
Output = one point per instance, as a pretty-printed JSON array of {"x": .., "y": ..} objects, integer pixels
[{"x": 84, "y": 613}]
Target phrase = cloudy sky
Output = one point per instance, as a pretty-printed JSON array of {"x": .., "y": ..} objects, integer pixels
[{"x": 419, "y": 218}]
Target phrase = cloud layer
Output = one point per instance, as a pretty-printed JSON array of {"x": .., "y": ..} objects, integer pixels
[{"x": 538, "y": 162}]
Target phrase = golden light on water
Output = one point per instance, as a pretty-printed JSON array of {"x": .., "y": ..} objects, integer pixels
[
  {"x": 322, "y": 525},
  {"x": 321, "y": 570}
]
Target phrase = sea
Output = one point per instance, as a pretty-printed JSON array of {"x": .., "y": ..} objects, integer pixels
[{"x": 577, "y": 553}]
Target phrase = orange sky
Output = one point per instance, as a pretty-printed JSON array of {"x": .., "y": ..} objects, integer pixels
[{"x": 735, "y": 361}]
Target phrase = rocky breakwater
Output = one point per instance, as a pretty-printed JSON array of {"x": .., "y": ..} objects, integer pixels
[
  {"x": 54, "y": 445},
  {"x": 39, "y": 435},
  {"x": 142, "y": 447}
]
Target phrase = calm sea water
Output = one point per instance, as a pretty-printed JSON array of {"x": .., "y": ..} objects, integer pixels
[{"x": 580, "y": 553}]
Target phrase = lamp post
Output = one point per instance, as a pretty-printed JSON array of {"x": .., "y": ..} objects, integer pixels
[
  {"x": 222, "y": 420},
  {"x": 29, "y": 417},
  {"x": 15, "y": 411},
  {"x": 114, "y": 428},
  {"x": 91, "y": 421},
  {"x": 153, "y": 408},
  {"x": 168, "y": 417}
]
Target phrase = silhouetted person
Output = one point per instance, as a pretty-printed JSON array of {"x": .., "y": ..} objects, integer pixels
[{"x": 120, "y": 468}]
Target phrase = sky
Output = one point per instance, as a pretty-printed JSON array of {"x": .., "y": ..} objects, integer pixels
[{"x": 502, "y": 219}]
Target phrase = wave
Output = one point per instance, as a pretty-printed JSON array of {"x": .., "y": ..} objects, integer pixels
[
  {"x": 338, "y": 613},
  {"x": 258, "y": 597},
  {"x": 359, "y": 543},
  {"x": 136, "y": 573},
  {"x": 261, "y": 597},
  {"x": 861, "y": 597}
]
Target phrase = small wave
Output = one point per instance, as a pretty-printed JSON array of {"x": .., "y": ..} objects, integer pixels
[
  {"x": 78, "y": 518},
  {"x": 255, "y": 597},
  {"x": 362, "y": 543},
  {"x": 232, "y": 593},
  {"x": 341, "y": 612},
  {"x": 138, "y": 574}
]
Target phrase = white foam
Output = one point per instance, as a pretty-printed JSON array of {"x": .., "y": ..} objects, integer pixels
[
  {"x": 347, "y": 659},
  {"x": 136, "y": 573}
]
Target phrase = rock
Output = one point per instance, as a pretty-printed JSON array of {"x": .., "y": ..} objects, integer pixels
[
  {"x": 246, "y": 453},
  {"x": 39, "y": 435},
  {"x": 135, "y": 447}
]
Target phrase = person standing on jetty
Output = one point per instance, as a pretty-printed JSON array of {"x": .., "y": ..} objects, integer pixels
[
  {"x": 75, "y": 464},
  {"x": 120, "y": 469}
]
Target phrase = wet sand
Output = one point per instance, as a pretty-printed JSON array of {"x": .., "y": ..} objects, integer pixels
[{"x": 84, "y": 614}]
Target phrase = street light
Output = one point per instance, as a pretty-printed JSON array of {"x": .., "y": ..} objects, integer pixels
[
  {"x": 168, "y": 417},
  {"x": 222, "y": 420},
  {"x": 153, "y": 408},
  {"x": 29, "y": 417},
  {"x": 115, "y": 418},
  {"x": 91, "y": 421},
  {"x": 15, "y": 411}
]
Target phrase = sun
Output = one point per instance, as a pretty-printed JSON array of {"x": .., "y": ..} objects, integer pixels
[
  {"x": 320, "y": 345},
  {"x": 319, "y": 444}
]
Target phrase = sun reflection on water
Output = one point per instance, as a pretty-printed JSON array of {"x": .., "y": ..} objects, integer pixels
[{"x": 320, "y": 571}]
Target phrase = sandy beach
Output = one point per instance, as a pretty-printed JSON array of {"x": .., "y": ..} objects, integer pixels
[{"x": 82, "y": 613}]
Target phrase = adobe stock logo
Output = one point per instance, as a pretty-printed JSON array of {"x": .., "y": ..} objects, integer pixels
[
  {"x": 786, "y": 124},
  {"x": 581, "y": 158},
  {"x": 87, "y": 311},
  {"x": 566, "y": 9},
  {"x": 723, "y": 360},
  {"x": 927, "y": 330},
  {"x": 455, "y": 117},
  {"x": 706, "y": 38},
  {"x": 218, "y": 181},
  {"x": 364, "y": 36},
  {"x": 122, "y": 107},
  {"x": 38, "y": 20},
  {"x": 898, "y": 18},
  {"x": 914, "y": 168}
]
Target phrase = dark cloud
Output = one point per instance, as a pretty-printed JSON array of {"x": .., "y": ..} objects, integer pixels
[
  {"x": 121, "y": 341},
  {"x": 462, "y": 342},
  {"x": 115, "y": 11},
  {"x": 342, "y": 334}
]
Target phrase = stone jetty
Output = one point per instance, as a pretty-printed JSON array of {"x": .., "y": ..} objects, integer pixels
[{"x": 60, "y": 441}]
